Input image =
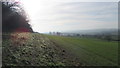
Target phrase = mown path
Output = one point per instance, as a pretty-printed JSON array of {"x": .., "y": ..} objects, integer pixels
[{"x": 35, "y": 50}]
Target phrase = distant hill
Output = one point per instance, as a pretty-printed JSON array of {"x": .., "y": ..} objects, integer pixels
[{"x": 96, "y": 31}]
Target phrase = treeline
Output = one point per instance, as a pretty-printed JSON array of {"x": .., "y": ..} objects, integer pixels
[
  {"x": 14, "y": 18},
  {"x": 107, "y": 37}
]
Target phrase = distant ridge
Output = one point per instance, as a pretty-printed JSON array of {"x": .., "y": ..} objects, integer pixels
[{"x": 96, "y": 31}]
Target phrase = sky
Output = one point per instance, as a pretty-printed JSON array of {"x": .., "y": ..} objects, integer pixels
[{"x": 50, "y": 15}]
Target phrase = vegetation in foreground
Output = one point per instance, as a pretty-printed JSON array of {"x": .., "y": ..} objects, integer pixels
[
  {"x": 31, "y": 49},
  {"x": 49, "y": 50}
]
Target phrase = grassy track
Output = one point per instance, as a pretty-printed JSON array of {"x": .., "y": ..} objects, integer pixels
[{"x": 90, "y": 51}]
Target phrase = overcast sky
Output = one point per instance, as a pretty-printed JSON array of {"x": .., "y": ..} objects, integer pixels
[{"x": 66, "y": 16}]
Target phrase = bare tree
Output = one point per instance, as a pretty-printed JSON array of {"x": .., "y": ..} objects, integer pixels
[{"x": 14, "y": 18}]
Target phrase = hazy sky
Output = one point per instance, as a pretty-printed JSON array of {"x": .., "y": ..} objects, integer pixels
[{"x": 65, "y": 16}]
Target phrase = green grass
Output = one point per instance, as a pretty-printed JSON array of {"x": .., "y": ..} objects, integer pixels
[
  {"x": 48, "y": 50},
  {"x": 90, "y": 51}
]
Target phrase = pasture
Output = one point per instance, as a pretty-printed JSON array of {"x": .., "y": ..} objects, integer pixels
[{"x": 90, "y": 51}]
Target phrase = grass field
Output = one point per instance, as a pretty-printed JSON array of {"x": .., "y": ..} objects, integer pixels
[
  {"x": 90, "y": 51},
  {"x": 35, "y": 49}
]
